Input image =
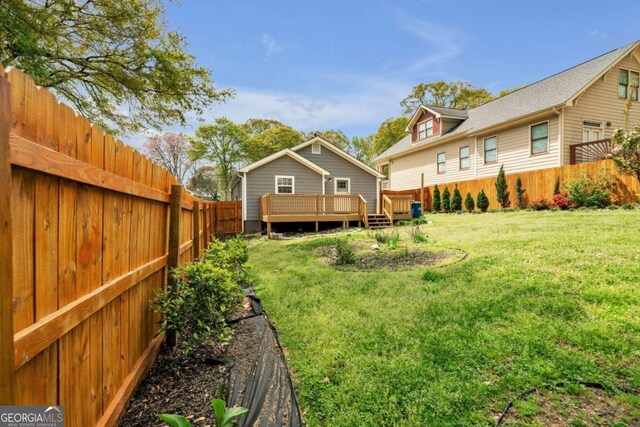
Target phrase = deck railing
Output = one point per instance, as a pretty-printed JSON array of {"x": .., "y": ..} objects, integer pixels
[
  {"x": 312, "y": 204},
  {"x": 592, "y": 151},
  {"x": 393, "y": 205}
]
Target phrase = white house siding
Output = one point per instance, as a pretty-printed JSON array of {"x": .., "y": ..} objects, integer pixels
[
  {"x": 513, "y": 152},
  {"x": 600, "y": 102}
]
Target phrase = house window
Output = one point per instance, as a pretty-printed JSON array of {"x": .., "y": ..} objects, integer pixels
[
  {"x": 425, "y": 129},
  {"x": 343, "y": 186},
  {"x": 540, "y": 138},
  {"x": 284, "y": 184},
  {"x": 491, "y": 149},
  {"x": 316, "y": 148},
  {"x": 628, "y": 80},
  {"x": 591, "y": 131},
  {"x": 464, "y": 157},
  {"x": 442, "y": 164}
]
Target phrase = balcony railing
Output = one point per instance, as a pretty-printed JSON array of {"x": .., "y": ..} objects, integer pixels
[
  {"x": 592, "y": 151},
  {"x": 312, "y": 204}
]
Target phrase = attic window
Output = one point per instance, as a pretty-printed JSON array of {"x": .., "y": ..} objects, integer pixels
[
  {"x": 425, "y": 129},
  {"x": 628, "y": 80},
  {"x": 316, "y": 148}
]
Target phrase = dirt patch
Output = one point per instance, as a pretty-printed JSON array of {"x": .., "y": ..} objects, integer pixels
[
  {"x": 579, "y": 406},
  {"x": 185, "y": 385}
]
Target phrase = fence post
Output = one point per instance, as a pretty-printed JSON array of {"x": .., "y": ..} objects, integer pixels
[
  {"x": 422, "y": 193},
  {"x": 175, "y": 222},
  {"x": 196, "y": 229},
  {"x": 7, "y": 391}
]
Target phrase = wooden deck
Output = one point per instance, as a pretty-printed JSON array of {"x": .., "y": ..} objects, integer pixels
[{"x": 279, "y": 208}]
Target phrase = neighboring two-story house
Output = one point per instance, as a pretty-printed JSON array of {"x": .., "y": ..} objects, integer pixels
[
  {"x": 563, "y": 119},
  {"x": 312, "y": 182}
]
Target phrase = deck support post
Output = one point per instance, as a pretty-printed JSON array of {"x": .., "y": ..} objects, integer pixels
[
  {"x": 317, "y": 226},
  {"x": 268, "y": 230}
]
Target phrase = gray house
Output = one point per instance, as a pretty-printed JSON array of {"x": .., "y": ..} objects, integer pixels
[{"x": 312, "y": 182}]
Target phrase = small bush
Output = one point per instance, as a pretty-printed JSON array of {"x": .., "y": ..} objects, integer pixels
[
  {"x": 446, "y": 200},
  {"x": 502, "y": 192},
  {"x": 436, "y": 205},
  {"x": 230, "y": 255},
  {"x": 417, "y": 235},
  {"x": 394, "y": 240},
  {"x": 627, "y": 207},
  {"x": 590, "y": 190},
  {"x": 430, "y": 276},
  {"x": 345, "y": 253},
  {"x": 418, "y": 221},
  {"x": 561, "y": 200},
  {"x": 520, "y": 194},
  {"x": 381, "y": 237},
  {"x": 482, "y": 201},
  {"x": 613, "y": 207},
  {"x": 556, "y": 186},
  {"x": 539, "y": 205},
  {"x": 403, "y": 253},
  {"x": 469, "y": 203},
  {"x": 456, "y": 201}
]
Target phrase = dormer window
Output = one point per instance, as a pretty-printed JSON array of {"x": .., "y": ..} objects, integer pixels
[{"x": 425, "y": 129}]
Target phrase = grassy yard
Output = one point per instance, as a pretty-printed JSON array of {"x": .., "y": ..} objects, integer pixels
[{"x": 542, "y": 297}]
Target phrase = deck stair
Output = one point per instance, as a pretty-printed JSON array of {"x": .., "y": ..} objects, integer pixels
[{"x": 378, "y": 221}]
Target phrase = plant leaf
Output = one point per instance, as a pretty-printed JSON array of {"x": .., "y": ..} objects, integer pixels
[
  {"x": 218, "y": 406},
  {"x": 175, "y": 420},
  {"x": 232, "y": 414}
]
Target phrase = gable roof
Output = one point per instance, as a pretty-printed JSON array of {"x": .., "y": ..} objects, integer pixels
[
  {"x": 348, "y": 157},
  {"x": 281, "y": 153},
  {"x": 554, "y": 91}
]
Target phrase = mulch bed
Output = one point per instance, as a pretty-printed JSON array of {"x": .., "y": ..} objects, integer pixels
[
  {"x": 399, "y": 258},
  {"x": 185, "y": 385}
]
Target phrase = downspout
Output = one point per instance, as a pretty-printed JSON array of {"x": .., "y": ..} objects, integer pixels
[{"x": 560, "y": 114}]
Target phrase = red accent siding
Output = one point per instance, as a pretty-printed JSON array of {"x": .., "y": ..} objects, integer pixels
[{"x": 424, "y": 116}]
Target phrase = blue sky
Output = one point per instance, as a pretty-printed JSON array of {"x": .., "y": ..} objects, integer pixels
[{"x": 328, "y": 64}]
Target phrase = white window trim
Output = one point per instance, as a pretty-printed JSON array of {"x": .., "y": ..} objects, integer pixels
[
  {"x": 484, "y": 151},
  {"x": 293, "y": 183},
  {"x": 426, "y": 133},
  {"x": 629, "y": 71},
  {"x": 314, "y": 146},
  {"x": 460, "y": 158},
  {"x": 531, "y": 153},
  {"x": 335, "y": 185},
  {"x": 438, "y": 163}
]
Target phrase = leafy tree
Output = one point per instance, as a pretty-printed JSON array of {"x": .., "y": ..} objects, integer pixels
[
  {"x": 456, "y": 201},
  {"x": 255, "y": 126},
  {"x": 360, "y": 148},
  {"x": 117, "y": 65},
  {"x": 482, "y": 201},
  {"x": 520, "y": 194},
  {"x": 171, "y": 151},
  {"x": 626, "y": 153},
  {"x": 204, "y": 182},
  {"x": 556, "y": 186},
  {"x": 335, "y": 137},
  {"x": 270, "y": 141},
  {"x": 468, "y": 203},
  {"x": 221, "y": 144},
  {"x": 504, "y": 92},
  {"x": 459, "y": 94},
  {"x": 436, "y": 205},
  {"x": 390, "y": 131},
  {"x": 446, "y": 200},
  {"x": 502, "y": 192}
]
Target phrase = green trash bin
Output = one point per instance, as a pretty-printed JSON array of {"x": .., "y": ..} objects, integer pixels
[{"x": 416, "y": 209}]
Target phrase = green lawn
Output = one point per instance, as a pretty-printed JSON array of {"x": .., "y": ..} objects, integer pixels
[{"x": 542, "y": 297}]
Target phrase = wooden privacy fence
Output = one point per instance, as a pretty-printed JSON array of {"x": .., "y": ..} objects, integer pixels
[
  {"x": 84, "y": 246},
  {"x": 538, "y": 184}
]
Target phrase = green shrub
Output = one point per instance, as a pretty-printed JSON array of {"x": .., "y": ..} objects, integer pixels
[
  {"x": 381, "y": 237},
  {"x": 224, "y": 416},
  {"x": 430, "y": 276},
  {"x": 502, "y": 191},
  {"x": 394, "y": 240},
  {"x": 469, "y": 203},
  {"x": 345, "y": 253},
  {"x": 456, "y": 201},
  {"x": 446, "y": 200},
  {"x": 614, "y": 207},
  {"x": 403, "y": 222},
  {"x": 418, "y": 221},
  {"x": 196, "y": 307},
  {"x": 556, "y": 186},
  {"x": 231, "y": 255},
  {"x": 539, "y": 205},
  {"x": 482, "y": 201},
  {"x": 520, "y": 194},
  {"x": 590, "y": 190},
  {"x": 436, "y": 205},
  {"x": 627, "y": 207},
  {"x": 417, "y": 235}
]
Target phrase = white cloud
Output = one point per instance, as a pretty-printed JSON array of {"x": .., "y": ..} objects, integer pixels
[
  {"x": 270, "y": 44},
  {"x": 596, "y": 33}
]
